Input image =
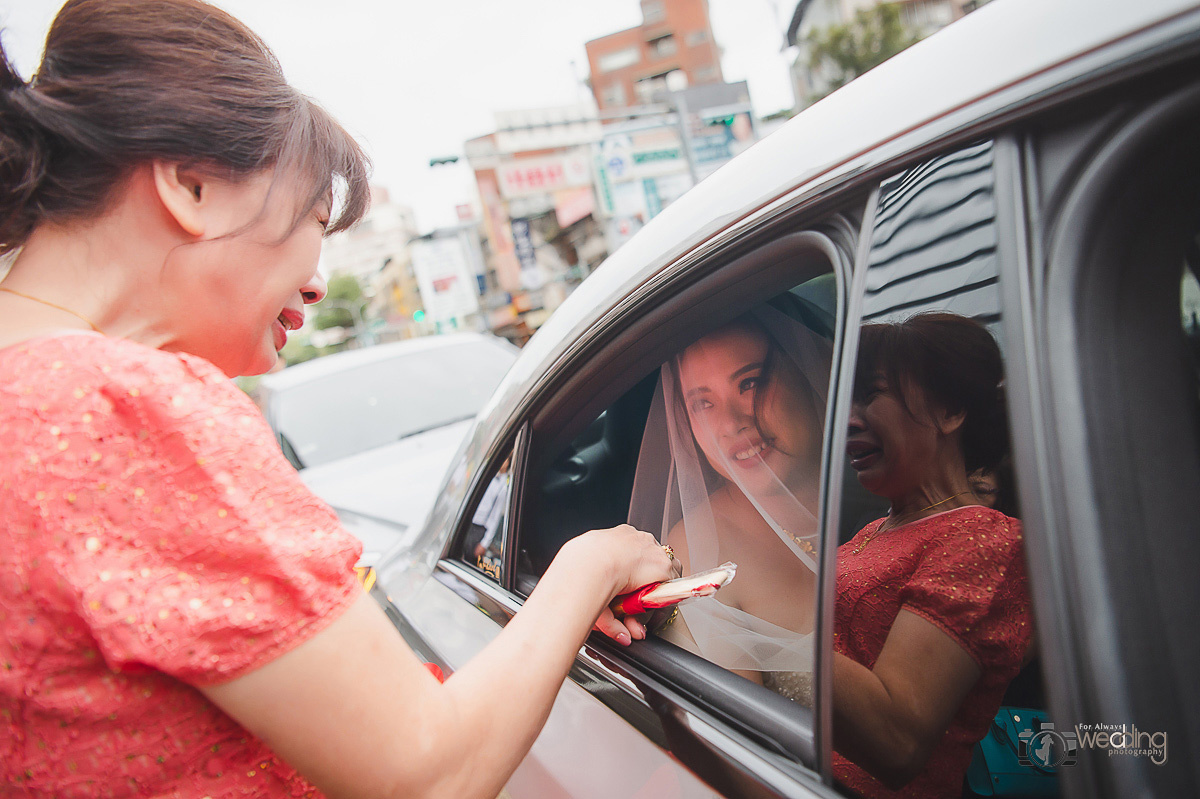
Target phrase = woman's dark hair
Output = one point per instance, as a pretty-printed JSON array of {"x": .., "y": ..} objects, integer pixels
[
  {"x": 123, "y": 82},
  {"x": 955, "y": 362}
]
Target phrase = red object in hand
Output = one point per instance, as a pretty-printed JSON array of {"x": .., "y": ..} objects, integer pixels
[
  {"x": 669, "y": 592},
  {"x": 629, "y": 604},
  {"x": 436, "y": 671}
]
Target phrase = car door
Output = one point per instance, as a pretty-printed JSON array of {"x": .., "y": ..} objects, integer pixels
[
  {"x": 1064, "y": 229},
  {"x": 1105, "y": 382},
  {"x": 586, "y": 447},
  {"x": 926, "y": 239}
]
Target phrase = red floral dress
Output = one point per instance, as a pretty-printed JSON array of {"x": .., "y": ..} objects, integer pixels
[
  {"x": 963, "y": 570},
  {"x": 153, "y": 539}
]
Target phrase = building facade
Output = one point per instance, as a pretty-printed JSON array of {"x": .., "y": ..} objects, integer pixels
[
  {"x": 651, "y": 155},
  {"x": 537, "y": 194},
  {"x": 448, "y": 267},
  {"x": 672, "y": 49},
  {"x": 376, "y": 253}
]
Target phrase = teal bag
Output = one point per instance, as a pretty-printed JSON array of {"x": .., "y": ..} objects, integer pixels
[{"x": 997, "y": 767}]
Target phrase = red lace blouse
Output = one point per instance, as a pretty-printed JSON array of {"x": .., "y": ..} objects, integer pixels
[
  {"x": 962, "y": 570},
  {"x": 154, "y": 539}
]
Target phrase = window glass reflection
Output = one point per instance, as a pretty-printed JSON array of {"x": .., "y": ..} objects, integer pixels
[
  {"x": 729, "y": 470},
  {"x": 932, "y": 596},
  {"x": 483, "y": 544},
  {"x": 934, "y": 241}
]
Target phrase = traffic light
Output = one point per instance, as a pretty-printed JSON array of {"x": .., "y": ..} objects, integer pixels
[{"x": 418, "y": 316}]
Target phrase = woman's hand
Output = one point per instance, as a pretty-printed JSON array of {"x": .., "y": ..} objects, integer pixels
[{"x": 629, "y": 559}]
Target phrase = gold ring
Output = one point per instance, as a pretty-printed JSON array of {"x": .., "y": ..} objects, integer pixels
[{"x": 670, "y": 552}]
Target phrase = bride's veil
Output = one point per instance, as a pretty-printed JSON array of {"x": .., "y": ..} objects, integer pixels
[{"x": 675, "y": 481}]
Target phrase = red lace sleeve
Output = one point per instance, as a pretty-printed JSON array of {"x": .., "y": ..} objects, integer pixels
[
  {"x": 191, "y": 546},
  {"x": 971, "y": 583}
]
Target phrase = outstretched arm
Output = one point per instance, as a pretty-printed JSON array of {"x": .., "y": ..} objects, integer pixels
[{"x": 377, "y": 724}]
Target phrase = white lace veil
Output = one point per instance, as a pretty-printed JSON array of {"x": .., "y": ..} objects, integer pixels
[{"x": 761, "y": 468}]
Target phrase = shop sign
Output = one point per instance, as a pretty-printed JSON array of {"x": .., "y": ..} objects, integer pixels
[
  {"x": 445, "y": 278},
  {"x": 525, "y": 176}
]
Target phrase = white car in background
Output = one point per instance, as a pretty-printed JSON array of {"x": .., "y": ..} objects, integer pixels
[{"x": 373, "y": 430}]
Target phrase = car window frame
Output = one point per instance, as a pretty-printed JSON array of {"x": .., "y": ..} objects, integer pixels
[
  {"x": 678, "y": 300},
  {"x": 513, "y": 445},
  {"x": 1009, "y": 221}
]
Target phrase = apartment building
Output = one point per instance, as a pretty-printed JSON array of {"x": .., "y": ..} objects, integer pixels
[{"x": 671, "y": 50}]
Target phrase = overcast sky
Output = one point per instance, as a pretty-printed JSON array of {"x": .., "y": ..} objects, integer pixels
[{"x": 413, "y": 79}]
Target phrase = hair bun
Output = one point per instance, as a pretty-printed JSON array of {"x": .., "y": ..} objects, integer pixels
[
  {"x": 9, "y": 79},
  {"x": 23, "y": 157},
  {"x": 125, "y": 82}
]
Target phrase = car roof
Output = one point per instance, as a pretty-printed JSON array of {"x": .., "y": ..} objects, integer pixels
[
  {"x": 350, "y": 359},
  {"x": 999, "y": 54}
]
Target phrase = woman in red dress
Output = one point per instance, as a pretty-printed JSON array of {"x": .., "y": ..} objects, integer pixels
[
  {"x": 179, "y": 616},
  {"x": 932, "y": 619}
]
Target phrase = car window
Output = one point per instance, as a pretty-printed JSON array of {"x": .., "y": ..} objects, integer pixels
[
  {"x": 370, "y": 405},
  {"x": 938, "y": 533},
  {"x": 482, "y": 544},
  {"x": 933, "y": 246},
  {"x": 729, "y": 472},
  {"x": 717, "y": 450}
]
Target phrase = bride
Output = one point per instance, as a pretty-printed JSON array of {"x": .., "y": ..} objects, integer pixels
[{"x": 729, "y": 471}]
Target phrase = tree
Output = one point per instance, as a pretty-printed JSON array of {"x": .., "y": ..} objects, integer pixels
[
  {"x": 343, "y": 292},
  {"x": 345, "y": 288},
  {"x": 298, "y": 351},
  {"x": 848, "y": 50}
]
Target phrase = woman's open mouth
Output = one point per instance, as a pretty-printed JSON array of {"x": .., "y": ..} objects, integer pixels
[
  {"x": 287, "y": 320},
  {"x": 751, "y": 455},
  {"x": 862, "y": 454},
  {"x": 279, "y": 331},
  {"x": 290, "y": 319}
]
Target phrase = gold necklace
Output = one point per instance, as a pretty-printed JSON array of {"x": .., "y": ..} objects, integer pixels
[
  {"x": 883, "y": 526},
  {"x": 76, "y": 314},
  {"x": 805, "y": 546}
]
